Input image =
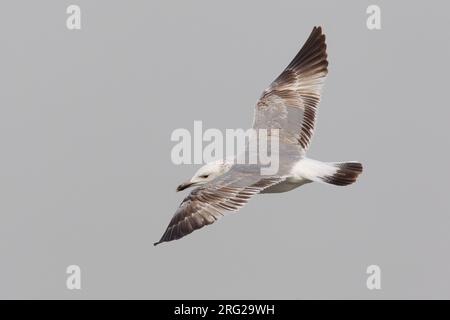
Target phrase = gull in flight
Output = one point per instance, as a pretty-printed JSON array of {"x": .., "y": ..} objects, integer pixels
[{"x": 289, "y": 105}]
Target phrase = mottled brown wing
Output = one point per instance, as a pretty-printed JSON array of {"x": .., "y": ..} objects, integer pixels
[
  {"x": 290, "y": 102},
  {"x": 206, "y": 204}
]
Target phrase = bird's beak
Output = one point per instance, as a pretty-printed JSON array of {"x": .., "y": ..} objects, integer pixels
[{"x": 185, "y": 185}]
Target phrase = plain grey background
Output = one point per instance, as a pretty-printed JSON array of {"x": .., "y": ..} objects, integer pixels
[{"x": 86, "y": 176}]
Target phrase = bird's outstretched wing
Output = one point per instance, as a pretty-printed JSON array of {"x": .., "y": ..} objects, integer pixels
[
  {"x": 290, "y": 102},
  {"x": 206, "y": 204}
]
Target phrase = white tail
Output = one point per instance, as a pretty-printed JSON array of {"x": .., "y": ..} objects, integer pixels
[{"x": 337, "y": 173}]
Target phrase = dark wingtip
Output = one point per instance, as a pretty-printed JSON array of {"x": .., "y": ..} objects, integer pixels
[
  {"x": 313, "y": 54},
  {"x": 317, "y": 31},
  {"x": 156, "y": 243}
]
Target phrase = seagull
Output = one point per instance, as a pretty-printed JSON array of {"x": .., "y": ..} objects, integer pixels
[{"x": 289, "y": 105}]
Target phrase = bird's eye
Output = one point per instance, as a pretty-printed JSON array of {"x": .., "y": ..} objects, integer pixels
[{"x": 204, "y": 176}]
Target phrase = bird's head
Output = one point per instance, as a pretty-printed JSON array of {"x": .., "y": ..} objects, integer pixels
[{"x": 205, "y": 174}]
